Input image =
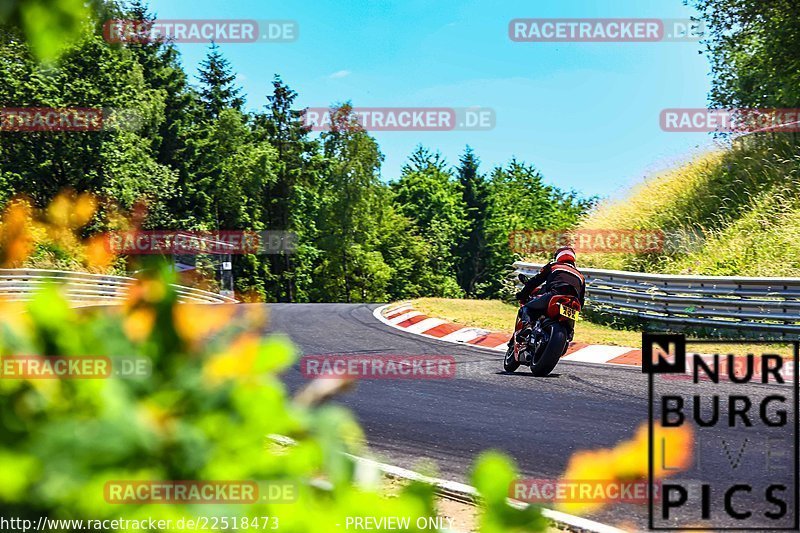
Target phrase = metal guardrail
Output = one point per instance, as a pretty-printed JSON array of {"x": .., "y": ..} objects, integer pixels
[
  {"x": 88, "y": 289},
  {"x": 752, "y": 305}
]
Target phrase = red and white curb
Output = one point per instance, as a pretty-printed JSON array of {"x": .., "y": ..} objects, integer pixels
[{"x": 404, "y": 317}]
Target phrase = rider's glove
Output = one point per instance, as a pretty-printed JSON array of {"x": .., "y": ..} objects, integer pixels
[{"x": 519, "y": 296}]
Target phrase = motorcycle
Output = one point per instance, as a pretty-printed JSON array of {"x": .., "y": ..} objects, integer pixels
[{"x": 542, "y": 344}]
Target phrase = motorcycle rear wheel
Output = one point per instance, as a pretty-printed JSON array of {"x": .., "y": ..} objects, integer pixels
[{"x": 550, "y": 353}]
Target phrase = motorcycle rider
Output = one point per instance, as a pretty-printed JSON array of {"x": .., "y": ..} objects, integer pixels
[{"x": 560, "y": 276}]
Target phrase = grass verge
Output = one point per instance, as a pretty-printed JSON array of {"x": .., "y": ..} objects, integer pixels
[{"x": 497, "y": 315}]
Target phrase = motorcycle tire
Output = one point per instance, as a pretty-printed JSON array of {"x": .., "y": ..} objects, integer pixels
[
  {"x": 547, "y": 356},
  {"x": 509, "y": 363}
]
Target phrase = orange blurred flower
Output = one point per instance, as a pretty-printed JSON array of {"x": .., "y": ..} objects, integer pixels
[
  {"x": 139, "y": 323},
  {"x": 97, "y": 252},
  {"x": 145, "y": 292},
  {"x": 22, "y": 228},
  {"x": 16, "y": 236},
  {"x": 628, "y": 461},
  {"x": 194, "y": 322},
  {"x": 673, "y": 445}
]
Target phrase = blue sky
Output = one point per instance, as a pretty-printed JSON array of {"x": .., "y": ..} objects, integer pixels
[{"x": 585, "y": 114}]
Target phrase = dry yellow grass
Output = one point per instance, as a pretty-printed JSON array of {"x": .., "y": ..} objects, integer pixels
[
  {"x": 731, "y": 212},
  {"x": 496, "y": 315},
  {"x": 648, "y": 204}
]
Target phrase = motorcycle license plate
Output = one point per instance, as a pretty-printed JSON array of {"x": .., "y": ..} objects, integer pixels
[{"x": 568, "y": 312}]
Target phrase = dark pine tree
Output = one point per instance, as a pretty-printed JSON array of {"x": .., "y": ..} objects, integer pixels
[
  {"x": 217, "y": 90},
  {"x": 283, "y": 127},
  {"x": 471, "y": 251}
]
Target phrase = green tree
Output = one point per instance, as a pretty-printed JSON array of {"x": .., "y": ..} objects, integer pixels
[
  {"x": 521, "y": 201},
  {"x": 471, "y": 250},
  {"x": 290, "y": 204},
  {"x": 114, "y": 159},
  {"x": 351, "y": 182},
  {"x": 217, "y": 89},
  {"x": 429, "y": 195},
  {"x": 162, "y": 71},
  {"x": 754, "y": 48},
  {"x": 405, "y": 251}
]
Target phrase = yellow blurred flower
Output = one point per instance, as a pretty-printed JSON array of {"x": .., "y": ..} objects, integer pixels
[
  {"x": 13, "y": 315},
  {"x": 236, "y": 361},
  {"x": 58, "y": 210},
  {"x": 155, "y": 418},
  {"x": 71, "y": 211},
  {"x": 628, "y": 462},
  {"x": 194, "y": 322},
  {"x": 139, "y": 323},
  {"x": 83, "y": 210}
]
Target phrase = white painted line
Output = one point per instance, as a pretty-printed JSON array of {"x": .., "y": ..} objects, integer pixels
[
  {"x": 404, "y": 307},
  {"x": 462, "y": 489},
  {"x": 424, "y": 325},
  {"x": 597, "y": 353},
  {"x": 405, "y": 316},
  {"x": 465, "y": 334},
  {"x": 582, "y": 524}
]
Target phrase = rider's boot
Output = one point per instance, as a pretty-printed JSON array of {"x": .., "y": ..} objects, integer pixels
[{"x": 524, "y": 334}]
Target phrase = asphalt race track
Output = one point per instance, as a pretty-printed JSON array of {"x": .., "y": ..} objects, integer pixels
[{"x": 539, "y": 422}]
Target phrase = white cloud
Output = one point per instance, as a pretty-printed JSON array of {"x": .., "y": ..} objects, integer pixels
[{"x": 339, "y": 74}]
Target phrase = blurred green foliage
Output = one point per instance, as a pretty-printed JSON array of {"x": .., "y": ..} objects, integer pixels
[
  {"x": 205, "y": 413},
  {"x": 50, "y": 26}
]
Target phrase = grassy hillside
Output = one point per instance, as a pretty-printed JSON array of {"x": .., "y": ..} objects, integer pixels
[{"x": 733, "y": 212}]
